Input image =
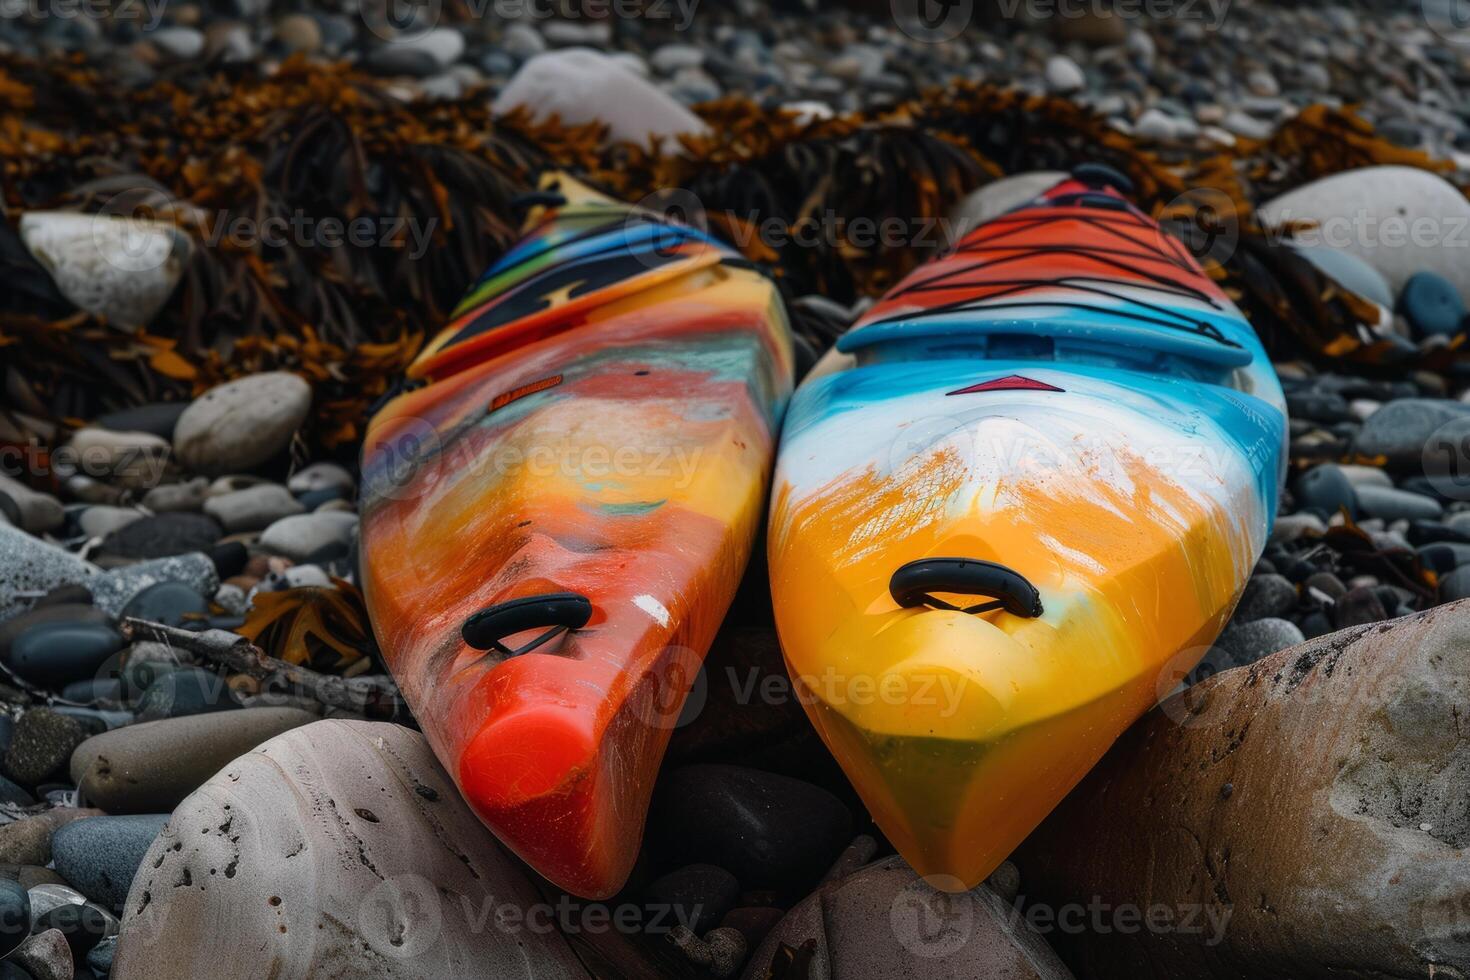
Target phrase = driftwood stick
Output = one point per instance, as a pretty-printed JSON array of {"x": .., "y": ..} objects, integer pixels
[{"x": 375, "y": 696}]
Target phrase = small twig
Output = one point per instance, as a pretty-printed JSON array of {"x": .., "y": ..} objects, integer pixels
[{"x": 375, "y": 696}]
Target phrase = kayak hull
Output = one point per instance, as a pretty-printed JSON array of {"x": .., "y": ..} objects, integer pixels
[
  {"x": 1134, "y": 500},
  {"x": 623, "y": 457}
]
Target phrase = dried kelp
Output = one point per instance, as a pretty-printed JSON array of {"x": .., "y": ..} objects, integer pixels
[{"x": 839, "y": 207}]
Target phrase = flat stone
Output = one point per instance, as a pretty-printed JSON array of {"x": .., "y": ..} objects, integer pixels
[
  {"x": 1333, "y": 776},
  {"x": 185, "y": 691},
  {"x": 301, "y": 536},
  {"x": 41, "y": 746},
  {"x": 347, "y": 833},
  {"x": 99, "y": 856},
  {"x": 321, "y": 476},
  {"x": 1401, "y": 430},
  {"x": 585, "y": 86},
  {"x": 241, "y": 424},
  {"x": 1398, "y": 505},
  {"x": 135, "y": 459},
  {"x": 55, "y": 653},
  {"x": 170, "y": 497},
  {"x": 253, "y": 508},
  {"x": 884, "y": 922},
  {"x": 164, "y": 535},
  {"x": 100, "y": 520},
  {"x": 150, "y": 767},
  {"x": 768, "y": 830},
  {"x": 65, "y": 612}
]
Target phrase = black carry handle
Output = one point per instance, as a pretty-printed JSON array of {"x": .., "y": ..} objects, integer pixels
[
  {"x": 560, "y": 611},
  {"x": 914, "y": 583}
]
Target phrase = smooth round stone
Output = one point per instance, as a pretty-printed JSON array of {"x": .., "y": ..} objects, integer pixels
[
  {"x": 84, "y": 926},
  {"x": 1325, "y": 489},
  {"x": 163, "y": 535},
  {"x": 1455, "y": 585},
  {"x": 150, "y": 767},
  {"x": 770, "y": 831},
  {"x": 143, "y": 664},
  {"x": 1265, "y": 596},
  {"x": 1358, "y": 607},
  {"x": 1394, "y": 505},
  {"x": 15, "y": 916},
  {"x": 1327, "y": 584},
  {"x": 303, "y": 535},
  {"x": 1360, "y": 476},
  {"x": 71, "y": 613},
  {"x": 394, "y": 60},
  {"x": 53, "y": 654},
  {"x": 321, "y": 476},
  {"x": 253, "y": 508},
  {"x": 1443, "y": 558},
  {"x": 696, "y": 896},
  {"x": 44, "y": 956},
  {"x": 299, "y": 33},
  {"x": 100, "y": 855},
  {"x": 185, "y": 691},
  {"x": 171, "y": 497},
  {"x": 156, "y": 418},
  {"x": 1432, "y": 305},
  {"x": 1249, "y": 642},
  {"x": 170, "y": 603},
  {"x": 100, "y": 520},
  {"x": 1401, "y": 430},
  {"x": 38, "y": 512},
  {"x": 94, "y": 689},
  {"x": 27, "y": 842},
  {"x": 241, "y": 424},
  {"x": 349, "y": 853},
  {"x": 41, "y": 746},
  {"x": 100, "y": 958}
]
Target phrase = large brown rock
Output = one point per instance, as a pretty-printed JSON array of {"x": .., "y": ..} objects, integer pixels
[
  {"x": 150, "y": 767},
  {"x": 884, "y": 922},
  {"x": 340, "y": 849},
  {"x": 1308, "y": 815}
]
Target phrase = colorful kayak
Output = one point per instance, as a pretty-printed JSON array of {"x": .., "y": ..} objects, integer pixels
[
  {"x": 555, "y": 523},
  {"x": 1020, "y": 517}
]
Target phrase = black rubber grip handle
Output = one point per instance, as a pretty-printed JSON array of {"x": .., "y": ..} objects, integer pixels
[
  {"x": 556, "y": 610},
  {"x": 914, "y": 583}
]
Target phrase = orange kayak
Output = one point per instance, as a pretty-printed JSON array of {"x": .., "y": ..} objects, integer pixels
[{"x": 555, "y": 521}]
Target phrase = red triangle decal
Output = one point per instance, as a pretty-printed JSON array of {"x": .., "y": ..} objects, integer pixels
[{"x": 1011, "y": 382}]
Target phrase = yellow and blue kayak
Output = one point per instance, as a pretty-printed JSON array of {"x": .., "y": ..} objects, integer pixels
[{"x": 1020, "y": 517}]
